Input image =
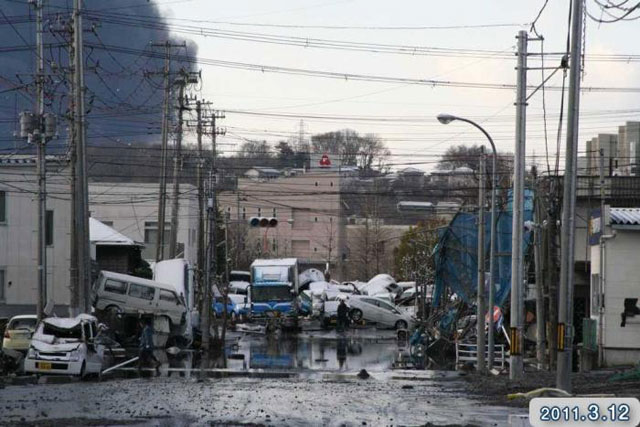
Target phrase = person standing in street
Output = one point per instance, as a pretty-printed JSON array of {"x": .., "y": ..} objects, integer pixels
[
  {"x": 146, "y": 347},
  {"x": 343, "y": 316}
]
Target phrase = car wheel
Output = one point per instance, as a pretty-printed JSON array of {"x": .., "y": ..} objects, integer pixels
[
  {"x": 356, "y": 315},
  {"x": 401, "y": 324}
]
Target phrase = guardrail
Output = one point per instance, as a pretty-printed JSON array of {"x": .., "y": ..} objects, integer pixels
[{"x": 468, "y": 352}]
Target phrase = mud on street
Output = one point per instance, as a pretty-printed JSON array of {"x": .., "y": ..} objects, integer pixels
[
  {"x": 309, "y": 380},
  {"x": 313, "y": 399}
]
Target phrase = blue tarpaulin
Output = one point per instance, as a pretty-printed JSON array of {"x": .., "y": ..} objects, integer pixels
[{"x": 456, "y": 254}]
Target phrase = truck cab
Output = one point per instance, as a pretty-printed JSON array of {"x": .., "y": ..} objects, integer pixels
[{"x": 274, "y": 288}]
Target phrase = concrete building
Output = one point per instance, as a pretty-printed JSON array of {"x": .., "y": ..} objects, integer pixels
[
  {"x": 609, "y": 144},
  {"x": 19, "y": 235},
  {"x": 132, "y": 209},
  {"x": 308, "y": 209},
  {"x": 614, "y": 285}
]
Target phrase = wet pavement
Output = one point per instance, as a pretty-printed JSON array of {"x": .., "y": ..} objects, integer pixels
[{"x": 321, "y": 387}]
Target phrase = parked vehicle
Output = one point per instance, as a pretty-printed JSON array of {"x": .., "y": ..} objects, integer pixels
[
  {"x": 123, "y": 294},
  {"x": 274, "y": 288},
  {"x": 236, "y": 306},
  {"x": 239, "y": 282},
  {"x": 378, "y": 311},
  {"x": 63, "y": 345},
  {"x": 18, "y": 332}
]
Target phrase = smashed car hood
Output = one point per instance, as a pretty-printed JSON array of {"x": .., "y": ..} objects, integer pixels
[{"x": 54, "y": 348}]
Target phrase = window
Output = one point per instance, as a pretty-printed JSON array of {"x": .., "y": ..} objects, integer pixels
[
  {"x": 316, "y": 183},
  {"x": 244, "y": 213},
  {"x": 115, "y": 286},
  {"x": 259, "y": 211},
  {"x": 274, "y": 245},
  {"x": 331, "y": 184},
  {"x": 330, "y": 219},
  {"x": 275, "y": 213},
  {"x": 48, "y": 228},
  {"x": 168, "y": 296},
  {"x": 315, "y": 249},
  {"x": 3, "y": 206},
  {"x": 2, "y": 285},
  {"x": 142, "y": 292},
  {"x": 315, "y": 219}
]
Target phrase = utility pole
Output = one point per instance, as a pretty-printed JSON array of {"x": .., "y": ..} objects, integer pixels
[
  {"x": 201, "y": 200},
  {"x": 81, "y": 187},
  {"x": 39, "y": 140},
  {"x": 601, "y": 283},
  {"x": 38, "y": 128},
  {"x": 481, "y": 279},
  {"x": 517, "y": 303},
  {"x": 205, "y": 311},
  {"x": 177, "y": 160},
  {"x": 162, "y": 200},
  {"x": 537, "y": 254},
  {"x": 567, "y": 242}
]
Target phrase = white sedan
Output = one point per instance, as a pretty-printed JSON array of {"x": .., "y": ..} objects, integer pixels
[{"x": 379, "y": 311}]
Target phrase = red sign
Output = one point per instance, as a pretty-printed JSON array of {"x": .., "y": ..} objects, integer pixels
[{"x": 325, "y": 161}]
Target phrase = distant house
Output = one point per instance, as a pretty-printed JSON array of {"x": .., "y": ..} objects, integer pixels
[
  {"x": 112, "y": 250},
  {"x": 262, "y": 173}
]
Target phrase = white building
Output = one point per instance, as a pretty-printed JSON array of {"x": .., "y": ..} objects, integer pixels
[
  {"x": 132, "y": 209},
  {"x": 615, "y": 285},
  {"x": 19, "y": 234}
]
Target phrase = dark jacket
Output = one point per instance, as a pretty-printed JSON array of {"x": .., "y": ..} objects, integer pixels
[
  {"x": 343, "y": 311},
  {"x": 146, "y": 337}
]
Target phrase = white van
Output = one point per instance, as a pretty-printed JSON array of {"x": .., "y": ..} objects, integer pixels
[{"x": 124, "y": 294}]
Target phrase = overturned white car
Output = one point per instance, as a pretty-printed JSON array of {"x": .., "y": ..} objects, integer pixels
[{"x": 67, "y": 346}]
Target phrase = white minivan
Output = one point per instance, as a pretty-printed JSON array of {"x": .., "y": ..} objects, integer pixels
[{"x": 123, "y": 294}]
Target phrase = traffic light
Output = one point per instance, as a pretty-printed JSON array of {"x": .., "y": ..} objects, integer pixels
[{"x": 263, "y": 222}]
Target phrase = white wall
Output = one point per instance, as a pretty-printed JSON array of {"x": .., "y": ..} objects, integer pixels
[
  {"x": 19, "y": 238},
  {"x": 622, "y": 280}
]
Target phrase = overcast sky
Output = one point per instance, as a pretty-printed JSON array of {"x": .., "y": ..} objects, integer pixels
[{"x": 422, "y": 139}]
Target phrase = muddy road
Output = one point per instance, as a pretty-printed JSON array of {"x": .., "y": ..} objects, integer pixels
[{"x": 318, "y": 399}]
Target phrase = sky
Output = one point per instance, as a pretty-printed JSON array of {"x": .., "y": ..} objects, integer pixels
[
  {"x": 420, "y": 140},
  {"x": 466, "y": 41}
]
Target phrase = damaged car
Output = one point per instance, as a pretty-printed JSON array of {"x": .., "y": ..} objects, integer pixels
[{"x": 66, "y": 346}]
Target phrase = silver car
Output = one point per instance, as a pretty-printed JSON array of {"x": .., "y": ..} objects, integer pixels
[{"x": 378, "y": 311}]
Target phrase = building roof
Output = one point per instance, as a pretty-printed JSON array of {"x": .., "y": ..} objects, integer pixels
[
  {"x": 102, "y": 234},
  {"x": 625, "y": 216}
]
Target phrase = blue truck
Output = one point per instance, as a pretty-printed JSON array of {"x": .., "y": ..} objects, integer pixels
[{"x": 274, "y": 290}]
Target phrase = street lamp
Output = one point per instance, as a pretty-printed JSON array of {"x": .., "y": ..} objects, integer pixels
[{"x": 445, "y": 119}]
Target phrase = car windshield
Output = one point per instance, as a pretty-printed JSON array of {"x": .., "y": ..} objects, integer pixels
[
  {"x": 239, "y": 277},
  {"x": 25, "y": 323},
  {"x": 63, "y": 333},
  {"x": 270, "y": 293}
]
